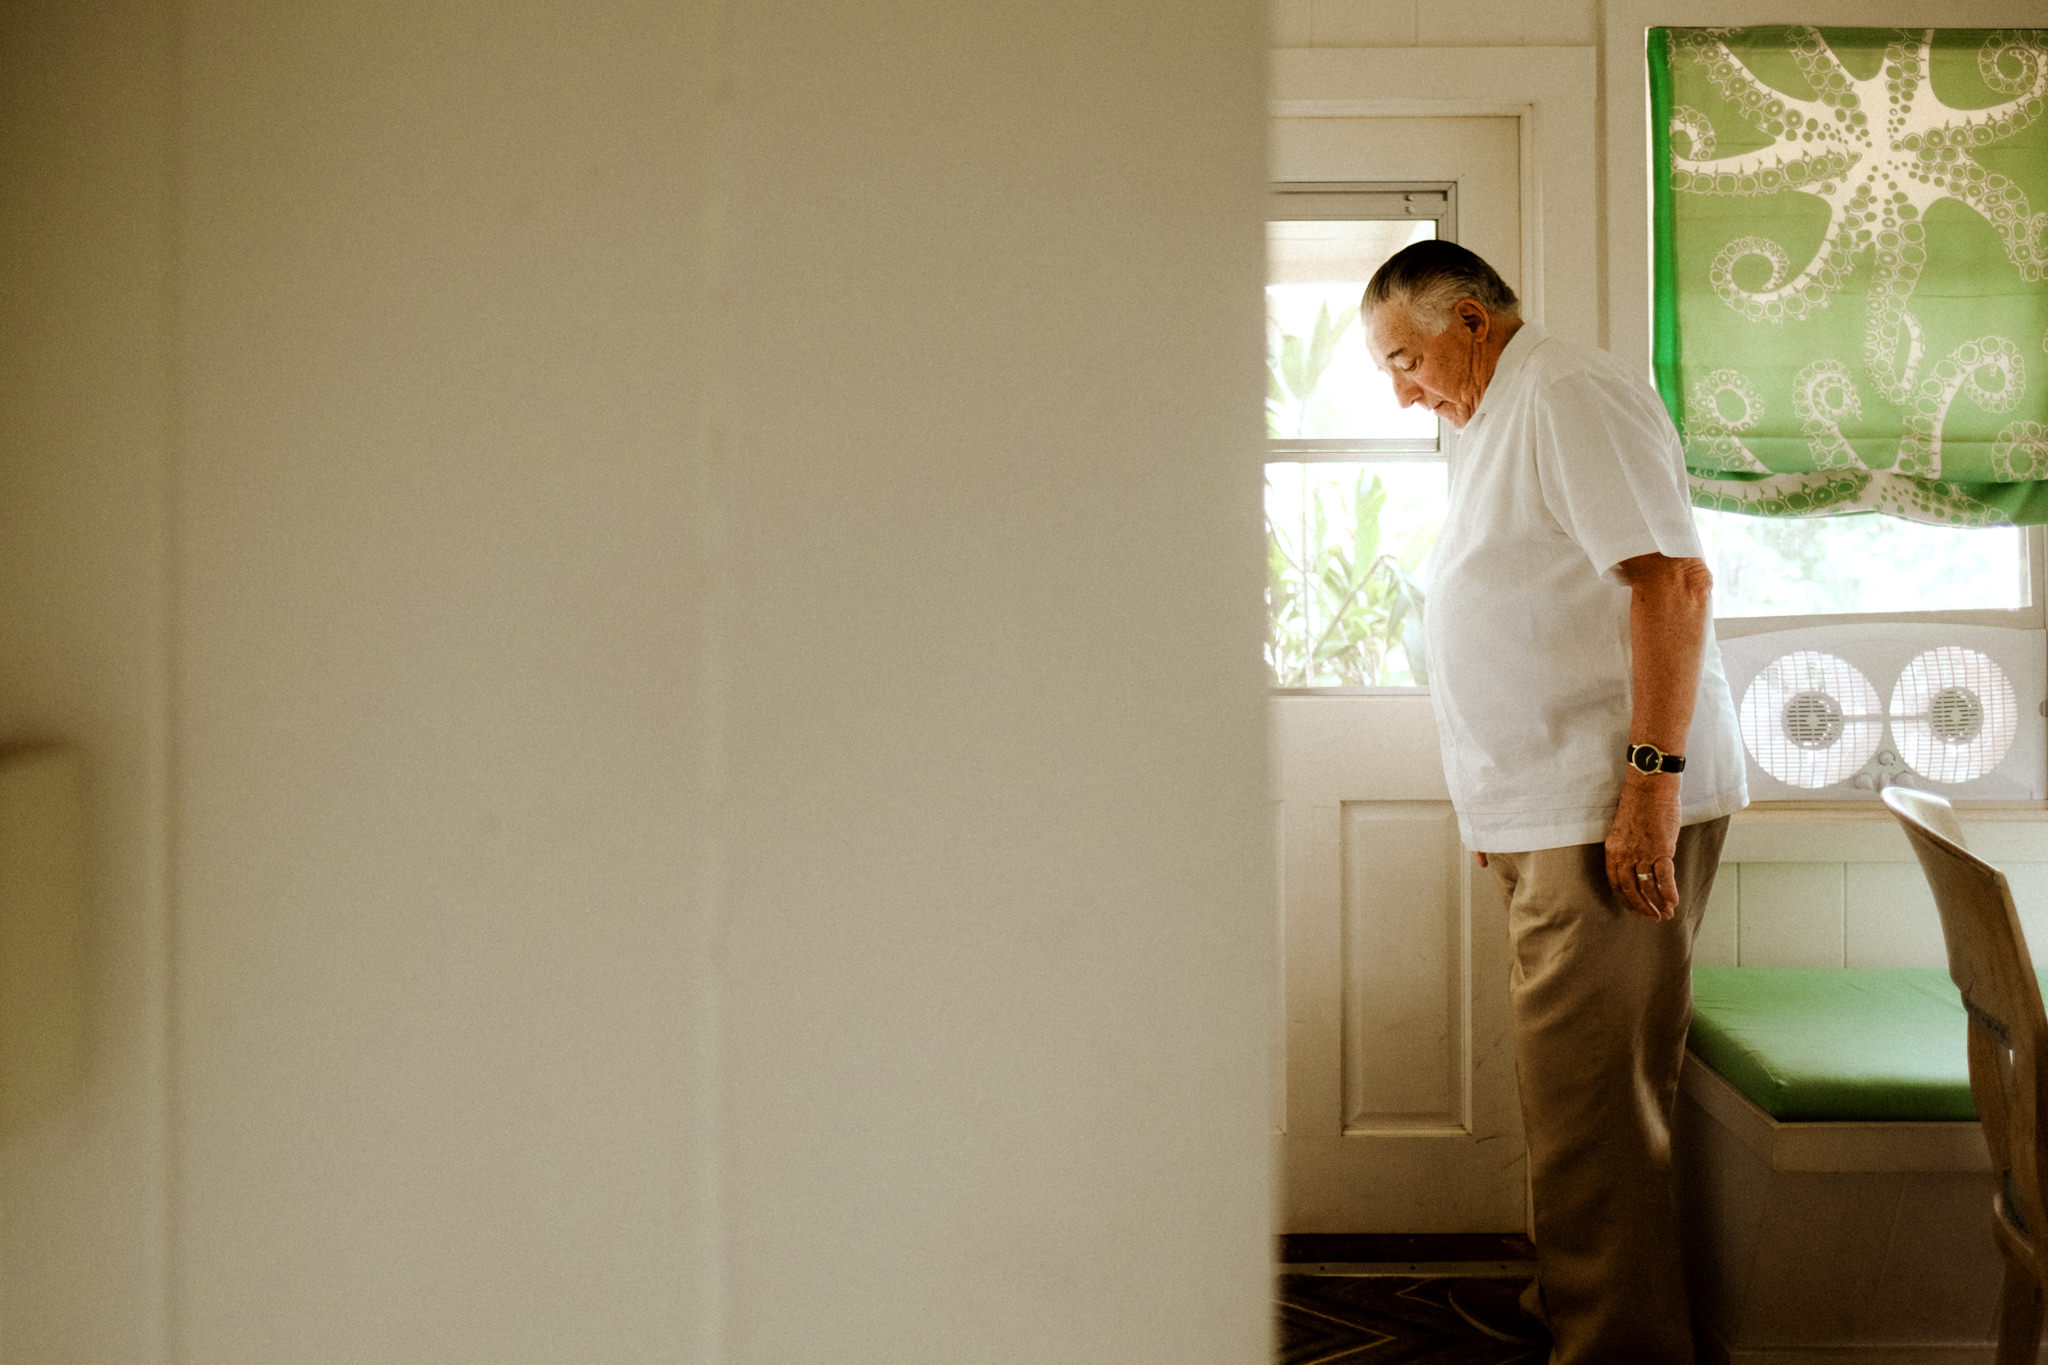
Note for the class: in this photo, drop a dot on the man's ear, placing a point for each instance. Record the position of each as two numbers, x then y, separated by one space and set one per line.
1473 315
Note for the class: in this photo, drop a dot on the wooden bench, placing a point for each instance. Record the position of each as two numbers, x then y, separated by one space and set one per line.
1834 1181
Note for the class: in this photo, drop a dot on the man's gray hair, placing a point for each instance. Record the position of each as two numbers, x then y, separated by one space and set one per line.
1428 278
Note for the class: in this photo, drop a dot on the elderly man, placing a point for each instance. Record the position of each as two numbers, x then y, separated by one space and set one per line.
1591 749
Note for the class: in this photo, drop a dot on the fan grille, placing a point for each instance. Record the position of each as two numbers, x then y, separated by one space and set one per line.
1813 720
1955 714
1810 719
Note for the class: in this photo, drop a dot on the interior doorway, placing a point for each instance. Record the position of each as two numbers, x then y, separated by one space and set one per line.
1395 1104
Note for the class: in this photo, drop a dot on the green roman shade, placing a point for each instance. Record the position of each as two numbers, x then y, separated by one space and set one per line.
1851 268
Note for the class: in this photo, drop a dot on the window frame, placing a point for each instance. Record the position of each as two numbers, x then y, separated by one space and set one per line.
1351 201
1301 201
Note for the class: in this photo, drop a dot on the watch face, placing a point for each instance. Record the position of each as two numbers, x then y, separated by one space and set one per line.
1644 758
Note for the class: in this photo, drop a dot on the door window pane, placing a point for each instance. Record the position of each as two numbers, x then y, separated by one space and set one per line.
1768 566
1344 551
1320 383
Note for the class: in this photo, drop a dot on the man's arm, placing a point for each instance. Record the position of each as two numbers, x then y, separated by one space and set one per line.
1670 603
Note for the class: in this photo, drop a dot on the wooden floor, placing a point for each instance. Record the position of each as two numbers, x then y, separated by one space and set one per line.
1344 1300
1394 1249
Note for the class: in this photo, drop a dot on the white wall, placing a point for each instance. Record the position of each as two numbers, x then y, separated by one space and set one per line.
1835 887
663 602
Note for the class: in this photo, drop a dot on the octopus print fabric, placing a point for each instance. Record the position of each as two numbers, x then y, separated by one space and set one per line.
1851 248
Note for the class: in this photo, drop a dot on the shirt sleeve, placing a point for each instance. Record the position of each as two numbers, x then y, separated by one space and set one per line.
1612 470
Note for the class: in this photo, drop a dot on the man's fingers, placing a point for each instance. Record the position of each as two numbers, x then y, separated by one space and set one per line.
1646 889
1621 876
1640 898
1617 876
1667 886
1653 889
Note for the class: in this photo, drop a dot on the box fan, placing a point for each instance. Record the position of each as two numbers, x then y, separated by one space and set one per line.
1829 712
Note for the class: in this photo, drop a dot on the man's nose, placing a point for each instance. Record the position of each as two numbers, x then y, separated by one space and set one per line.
1405 393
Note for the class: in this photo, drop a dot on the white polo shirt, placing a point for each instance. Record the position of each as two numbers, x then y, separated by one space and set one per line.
1569 466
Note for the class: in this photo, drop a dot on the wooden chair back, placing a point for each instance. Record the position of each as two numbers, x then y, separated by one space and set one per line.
1989 962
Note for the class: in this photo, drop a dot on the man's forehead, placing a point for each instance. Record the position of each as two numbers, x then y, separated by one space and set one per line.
1387 319
1387 333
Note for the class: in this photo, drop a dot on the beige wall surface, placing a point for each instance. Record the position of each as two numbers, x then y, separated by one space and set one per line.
662 605
85 388
1432 23
442 587
999 902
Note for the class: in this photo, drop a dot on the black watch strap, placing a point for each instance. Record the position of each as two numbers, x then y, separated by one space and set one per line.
1648 758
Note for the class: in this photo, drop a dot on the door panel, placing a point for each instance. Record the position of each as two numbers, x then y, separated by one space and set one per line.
1398 1112
1403 966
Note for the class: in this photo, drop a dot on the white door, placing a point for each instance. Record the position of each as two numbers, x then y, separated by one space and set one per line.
1397 1109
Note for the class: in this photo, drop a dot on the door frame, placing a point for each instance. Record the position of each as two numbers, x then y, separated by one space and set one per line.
1551 91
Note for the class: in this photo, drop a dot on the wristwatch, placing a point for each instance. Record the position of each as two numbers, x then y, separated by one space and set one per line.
1648 758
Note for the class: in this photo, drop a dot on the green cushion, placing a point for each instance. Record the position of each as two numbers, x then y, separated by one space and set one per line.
1833 1043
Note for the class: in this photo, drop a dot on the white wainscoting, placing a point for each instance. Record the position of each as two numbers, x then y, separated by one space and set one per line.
1838 887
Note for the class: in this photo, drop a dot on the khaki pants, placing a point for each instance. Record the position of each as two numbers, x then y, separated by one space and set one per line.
1601 1004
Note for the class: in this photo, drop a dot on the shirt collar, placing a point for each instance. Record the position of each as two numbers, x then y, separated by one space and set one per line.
1513 357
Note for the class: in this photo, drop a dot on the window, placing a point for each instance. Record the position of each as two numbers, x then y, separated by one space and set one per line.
1866 564
1814 364
1355 486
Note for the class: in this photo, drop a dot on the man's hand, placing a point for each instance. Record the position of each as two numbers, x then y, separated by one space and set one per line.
1641 843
